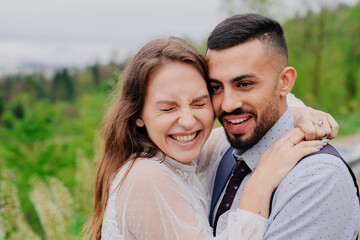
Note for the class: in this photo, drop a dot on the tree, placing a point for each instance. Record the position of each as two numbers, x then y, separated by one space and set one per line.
63 86
2 106
18 110
352 59
95 69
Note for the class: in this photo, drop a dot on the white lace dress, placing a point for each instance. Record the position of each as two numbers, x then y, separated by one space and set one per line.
165 200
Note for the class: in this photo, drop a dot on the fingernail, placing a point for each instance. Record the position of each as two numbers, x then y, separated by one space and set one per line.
319 147
325 140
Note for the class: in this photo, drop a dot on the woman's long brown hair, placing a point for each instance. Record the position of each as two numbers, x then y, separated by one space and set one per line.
124 141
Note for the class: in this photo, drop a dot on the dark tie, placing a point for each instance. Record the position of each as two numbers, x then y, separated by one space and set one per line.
239 171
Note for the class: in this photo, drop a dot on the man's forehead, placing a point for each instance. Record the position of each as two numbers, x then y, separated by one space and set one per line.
242 48
240 54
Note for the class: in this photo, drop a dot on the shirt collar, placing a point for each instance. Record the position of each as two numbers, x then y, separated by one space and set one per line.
252 155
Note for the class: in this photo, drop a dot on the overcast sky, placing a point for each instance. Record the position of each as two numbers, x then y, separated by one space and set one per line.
80 32
84 31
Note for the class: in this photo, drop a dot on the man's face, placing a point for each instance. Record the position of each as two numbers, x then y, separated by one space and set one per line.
245 91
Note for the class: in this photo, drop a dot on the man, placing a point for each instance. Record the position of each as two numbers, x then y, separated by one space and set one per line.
250 79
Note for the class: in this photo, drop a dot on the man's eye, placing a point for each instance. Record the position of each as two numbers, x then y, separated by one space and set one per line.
244 84
216 88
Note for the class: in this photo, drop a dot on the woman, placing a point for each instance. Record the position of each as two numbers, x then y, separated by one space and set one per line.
146 186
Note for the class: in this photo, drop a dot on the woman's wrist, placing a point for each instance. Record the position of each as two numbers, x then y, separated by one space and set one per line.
256 202
258 189
256 198
261 181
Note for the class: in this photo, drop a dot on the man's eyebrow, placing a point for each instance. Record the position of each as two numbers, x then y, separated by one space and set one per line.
236 79
241 77
214 81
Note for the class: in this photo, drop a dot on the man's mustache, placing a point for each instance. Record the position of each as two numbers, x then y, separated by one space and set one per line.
238 111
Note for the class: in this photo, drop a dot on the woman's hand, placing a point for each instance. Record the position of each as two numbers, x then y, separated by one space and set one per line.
277 161
273 166
309 120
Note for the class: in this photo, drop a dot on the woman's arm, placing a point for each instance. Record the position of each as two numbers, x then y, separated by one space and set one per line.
273 166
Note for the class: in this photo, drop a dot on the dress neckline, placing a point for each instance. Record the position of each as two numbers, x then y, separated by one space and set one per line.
184 171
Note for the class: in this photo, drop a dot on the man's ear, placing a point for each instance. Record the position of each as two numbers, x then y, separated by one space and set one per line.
287 80
140 122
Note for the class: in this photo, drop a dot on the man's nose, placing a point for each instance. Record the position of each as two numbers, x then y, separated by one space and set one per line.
231 101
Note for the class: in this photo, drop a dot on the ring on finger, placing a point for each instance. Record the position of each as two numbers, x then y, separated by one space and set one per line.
292 141
319 122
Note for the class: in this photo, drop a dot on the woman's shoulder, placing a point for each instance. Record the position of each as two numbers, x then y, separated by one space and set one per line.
148 171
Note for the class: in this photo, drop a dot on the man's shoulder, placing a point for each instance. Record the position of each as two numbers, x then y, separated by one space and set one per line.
323 183
327 159
318 170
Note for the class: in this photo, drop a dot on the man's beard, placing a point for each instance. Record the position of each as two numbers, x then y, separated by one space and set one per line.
268 119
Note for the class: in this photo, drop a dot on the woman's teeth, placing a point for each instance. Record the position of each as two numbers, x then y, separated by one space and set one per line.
184 138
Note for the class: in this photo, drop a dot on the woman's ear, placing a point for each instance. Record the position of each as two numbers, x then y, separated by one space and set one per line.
287 81
140 122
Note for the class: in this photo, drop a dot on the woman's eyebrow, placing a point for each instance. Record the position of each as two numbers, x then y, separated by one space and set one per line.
171 102
165 102
198 99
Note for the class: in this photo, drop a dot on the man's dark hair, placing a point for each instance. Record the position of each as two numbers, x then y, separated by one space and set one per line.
241 28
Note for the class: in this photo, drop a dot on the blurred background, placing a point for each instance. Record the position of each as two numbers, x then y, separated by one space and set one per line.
60 59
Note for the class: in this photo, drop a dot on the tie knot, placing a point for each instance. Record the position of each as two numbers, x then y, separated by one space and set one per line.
240 167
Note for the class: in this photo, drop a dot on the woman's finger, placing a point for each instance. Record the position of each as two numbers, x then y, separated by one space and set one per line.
305 148
326 128
294 136
334 127
308 127
319 129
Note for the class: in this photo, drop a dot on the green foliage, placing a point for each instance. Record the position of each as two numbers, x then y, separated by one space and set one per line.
48 140
2 106
63 86
53 204
323 48
12 220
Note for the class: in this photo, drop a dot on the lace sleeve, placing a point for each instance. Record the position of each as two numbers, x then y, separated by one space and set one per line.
241 224
292 101
151 204
210 149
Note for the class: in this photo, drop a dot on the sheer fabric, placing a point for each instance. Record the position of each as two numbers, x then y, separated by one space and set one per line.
166 200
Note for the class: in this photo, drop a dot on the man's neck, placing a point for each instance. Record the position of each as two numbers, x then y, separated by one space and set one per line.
284 124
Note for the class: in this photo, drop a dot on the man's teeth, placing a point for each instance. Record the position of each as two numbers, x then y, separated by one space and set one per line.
239 120
184 138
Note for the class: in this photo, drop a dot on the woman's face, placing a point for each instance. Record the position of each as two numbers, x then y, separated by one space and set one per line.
177 111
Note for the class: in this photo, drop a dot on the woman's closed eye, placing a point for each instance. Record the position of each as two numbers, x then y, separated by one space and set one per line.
170 109
200 105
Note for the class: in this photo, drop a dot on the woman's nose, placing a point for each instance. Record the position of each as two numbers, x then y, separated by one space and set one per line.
187 119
